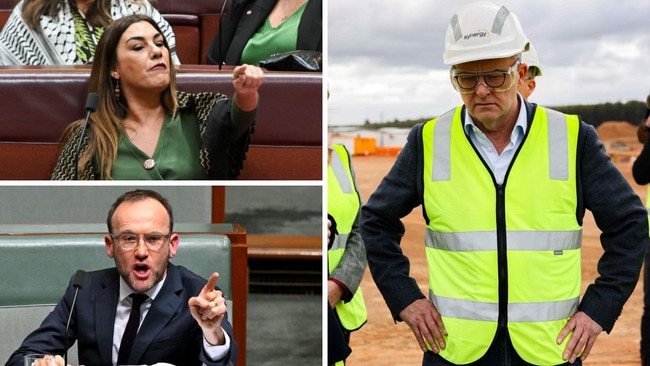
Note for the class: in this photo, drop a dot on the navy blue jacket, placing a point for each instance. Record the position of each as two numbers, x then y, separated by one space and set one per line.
168 334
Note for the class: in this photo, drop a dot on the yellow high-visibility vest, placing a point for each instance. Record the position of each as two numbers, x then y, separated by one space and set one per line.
523 235
343 202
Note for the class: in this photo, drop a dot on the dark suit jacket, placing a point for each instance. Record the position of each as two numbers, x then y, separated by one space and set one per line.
169 333
240 25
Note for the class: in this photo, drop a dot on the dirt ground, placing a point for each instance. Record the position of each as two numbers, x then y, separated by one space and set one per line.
382 342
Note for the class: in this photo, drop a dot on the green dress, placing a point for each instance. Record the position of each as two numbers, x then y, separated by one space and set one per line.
176 155
268 40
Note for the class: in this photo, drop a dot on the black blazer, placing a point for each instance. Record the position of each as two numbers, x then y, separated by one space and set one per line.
245 17
169 333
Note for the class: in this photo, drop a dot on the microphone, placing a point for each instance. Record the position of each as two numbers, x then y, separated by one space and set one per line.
221 57
91 106
77 283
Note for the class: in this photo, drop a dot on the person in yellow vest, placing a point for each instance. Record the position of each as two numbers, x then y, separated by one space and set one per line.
346 254
531 59
503 185
641 175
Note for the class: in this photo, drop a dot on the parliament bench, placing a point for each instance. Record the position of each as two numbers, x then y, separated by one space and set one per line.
39 102
41 259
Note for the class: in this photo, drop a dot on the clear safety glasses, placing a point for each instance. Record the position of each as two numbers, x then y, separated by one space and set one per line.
467 82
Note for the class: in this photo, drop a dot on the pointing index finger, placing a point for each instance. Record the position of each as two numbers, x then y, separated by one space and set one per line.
212 282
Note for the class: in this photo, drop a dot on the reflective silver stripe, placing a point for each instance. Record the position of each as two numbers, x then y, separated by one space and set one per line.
339 241
465 309
558 145
515 240
340 172
500 20
462 242
517 312
458 34
441 170
542 311
497 25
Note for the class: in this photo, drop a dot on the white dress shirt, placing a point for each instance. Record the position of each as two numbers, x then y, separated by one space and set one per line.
122 317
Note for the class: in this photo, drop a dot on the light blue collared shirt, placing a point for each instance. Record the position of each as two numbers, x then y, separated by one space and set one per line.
498 163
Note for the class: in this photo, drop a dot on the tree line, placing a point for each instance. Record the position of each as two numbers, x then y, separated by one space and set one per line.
633 112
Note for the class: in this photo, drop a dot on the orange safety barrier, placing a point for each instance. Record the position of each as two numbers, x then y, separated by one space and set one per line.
388 151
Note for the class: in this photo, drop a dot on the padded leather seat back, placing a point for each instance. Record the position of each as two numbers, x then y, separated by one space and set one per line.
195 24
41 265
290 110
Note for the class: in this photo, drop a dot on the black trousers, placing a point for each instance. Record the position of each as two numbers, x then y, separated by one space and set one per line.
337 340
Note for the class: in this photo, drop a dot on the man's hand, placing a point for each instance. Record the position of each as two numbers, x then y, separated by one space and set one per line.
49 360
334 293
585 331
329 232
426 323
209 309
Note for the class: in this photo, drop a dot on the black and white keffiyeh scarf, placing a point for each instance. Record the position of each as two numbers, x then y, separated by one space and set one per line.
55 43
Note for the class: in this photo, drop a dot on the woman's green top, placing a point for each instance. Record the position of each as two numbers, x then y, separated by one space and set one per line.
269 41
209 132
176 155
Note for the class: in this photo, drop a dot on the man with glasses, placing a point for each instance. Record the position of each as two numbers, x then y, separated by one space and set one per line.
145 310
504 185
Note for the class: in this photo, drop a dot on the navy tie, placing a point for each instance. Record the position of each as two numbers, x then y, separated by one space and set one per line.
131 329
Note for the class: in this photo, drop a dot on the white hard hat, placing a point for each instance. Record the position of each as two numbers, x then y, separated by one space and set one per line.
483 30
531 58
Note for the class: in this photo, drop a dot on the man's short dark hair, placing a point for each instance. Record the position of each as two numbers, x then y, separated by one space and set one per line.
139 195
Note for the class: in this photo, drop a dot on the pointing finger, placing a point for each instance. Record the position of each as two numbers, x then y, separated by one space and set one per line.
212 282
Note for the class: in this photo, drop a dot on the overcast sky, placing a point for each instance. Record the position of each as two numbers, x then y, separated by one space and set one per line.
385 56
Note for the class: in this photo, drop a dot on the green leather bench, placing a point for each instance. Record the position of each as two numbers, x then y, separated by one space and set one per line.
39 260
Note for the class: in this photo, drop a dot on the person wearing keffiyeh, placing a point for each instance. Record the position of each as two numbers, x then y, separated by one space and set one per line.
65 32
